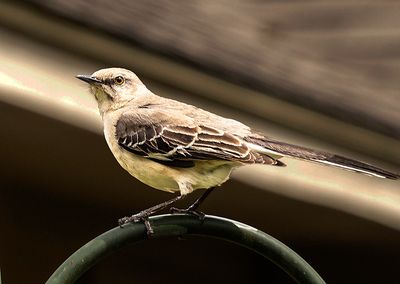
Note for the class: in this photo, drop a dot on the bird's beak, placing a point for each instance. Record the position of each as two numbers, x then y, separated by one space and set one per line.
89 79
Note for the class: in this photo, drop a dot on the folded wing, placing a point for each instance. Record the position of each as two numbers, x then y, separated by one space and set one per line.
168 143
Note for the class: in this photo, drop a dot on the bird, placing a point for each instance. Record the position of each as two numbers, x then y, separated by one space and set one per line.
176 147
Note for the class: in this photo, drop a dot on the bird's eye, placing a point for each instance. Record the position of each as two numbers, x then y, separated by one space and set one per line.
119 80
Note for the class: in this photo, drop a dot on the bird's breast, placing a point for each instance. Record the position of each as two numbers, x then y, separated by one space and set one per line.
204 174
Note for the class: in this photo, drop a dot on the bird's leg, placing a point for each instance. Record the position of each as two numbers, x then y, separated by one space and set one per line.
192 209
144 215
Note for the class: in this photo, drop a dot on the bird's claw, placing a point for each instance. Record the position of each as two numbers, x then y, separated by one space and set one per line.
139 217
190 211
131 219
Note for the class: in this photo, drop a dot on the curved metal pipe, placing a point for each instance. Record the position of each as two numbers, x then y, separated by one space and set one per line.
180 225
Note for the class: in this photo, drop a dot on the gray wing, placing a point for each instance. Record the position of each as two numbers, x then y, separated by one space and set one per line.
166 142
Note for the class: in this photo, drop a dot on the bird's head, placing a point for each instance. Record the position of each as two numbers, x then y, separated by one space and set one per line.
113 86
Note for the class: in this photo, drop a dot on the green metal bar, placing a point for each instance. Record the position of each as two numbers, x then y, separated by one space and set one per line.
180 225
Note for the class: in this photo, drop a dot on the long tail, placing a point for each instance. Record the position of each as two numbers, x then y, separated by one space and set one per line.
275 148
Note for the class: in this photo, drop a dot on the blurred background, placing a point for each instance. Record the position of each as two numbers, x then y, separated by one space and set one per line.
324 74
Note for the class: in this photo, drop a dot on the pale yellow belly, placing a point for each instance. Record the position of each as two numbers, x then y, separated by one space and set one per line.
204 174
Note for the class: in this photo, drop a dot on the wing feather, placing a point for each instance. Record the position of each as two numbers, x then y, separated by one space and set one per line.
176 142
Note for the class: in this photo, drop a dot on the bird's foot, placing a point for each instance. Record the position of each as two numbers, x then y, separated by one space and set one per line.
130 219
188 210
192 209
142 216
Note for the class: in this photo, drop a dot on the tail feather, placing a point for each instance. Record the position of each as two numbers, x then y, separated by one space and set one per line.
276 149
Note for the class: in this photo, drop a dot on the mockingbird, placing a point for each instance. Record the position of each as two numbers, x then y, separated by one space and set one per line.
176 147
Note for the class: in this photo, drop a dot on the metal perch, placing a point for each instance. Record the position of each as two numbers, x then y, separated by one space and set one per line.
180 225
